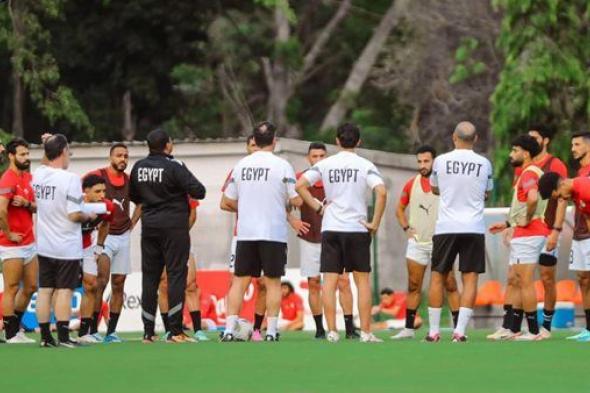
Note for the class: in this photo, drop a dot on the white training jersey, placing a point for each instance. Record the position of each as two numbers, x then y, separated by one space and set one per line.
262 183
463 177
58 193
347 177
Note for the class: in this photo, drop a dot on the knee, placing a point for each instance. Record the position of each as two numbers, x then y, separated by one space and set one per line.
11 288
191 287
117 285
344 285
31 288
451 285
584 281
90 284
314 285
413 285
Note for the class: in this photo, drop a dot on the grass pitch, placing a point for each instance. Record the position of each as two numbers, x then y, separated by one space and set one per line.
300 364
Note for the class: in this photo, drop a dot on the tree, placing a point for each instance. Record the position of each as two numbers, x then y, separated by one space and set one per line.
546 45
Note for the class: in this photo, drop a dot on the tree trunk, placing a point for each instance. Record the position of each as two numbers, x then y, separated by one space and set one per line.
232 94
18 104
362 67
129 130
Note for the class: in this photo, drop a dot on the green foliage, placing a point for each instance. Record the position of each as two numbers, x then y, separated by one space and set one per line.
465 64
545 78
283 5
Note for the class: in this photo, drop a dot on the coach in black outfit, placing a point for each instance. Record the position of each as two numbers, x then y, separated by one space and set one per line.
162 185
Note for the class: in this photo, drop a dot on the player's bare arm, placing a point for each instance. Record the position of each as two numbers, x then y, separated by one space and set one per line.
302 188
557 224
380 202
136 215
400 214
13 237
228 204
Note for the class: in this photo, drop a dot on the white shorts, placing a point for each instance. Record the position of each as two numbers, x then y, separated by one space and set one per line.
117 248
310 258
580 255
232 254
419 252
89 265
27 253
526 250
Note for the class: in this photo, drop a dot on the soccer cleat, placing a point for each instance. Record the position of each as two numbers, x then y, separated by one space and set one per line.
432 339
201 336
458 338
545 334
513 335
256 336
88 339
404 334
179 339
98 337
112 338
20 338
333 337
149 338
71 344
369 338
500 334
528 337
188 339
227 337
49 343
584 333
353 335
320 334
270 337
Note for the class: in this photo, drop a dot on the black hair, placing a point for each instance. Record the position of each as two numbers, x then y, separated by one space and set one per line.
13 144
250 138
264 134
317 146
544 130
289 285
54 146
548 183
426 149
116 145
581 134
527 143
157 140
92 180
349 135
386 291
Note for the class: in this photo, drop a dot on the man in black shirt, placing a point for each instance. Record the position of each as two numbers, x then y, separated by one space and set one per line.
161 184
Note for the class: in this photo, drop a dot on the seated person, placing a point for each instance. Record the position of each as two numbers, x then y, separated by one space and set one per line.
291 309
392 311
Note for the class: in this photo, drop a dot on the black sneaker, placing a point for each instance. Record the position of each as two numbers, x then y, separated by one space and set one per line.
320 334
69 344
354 335
226 338
49 343
270 337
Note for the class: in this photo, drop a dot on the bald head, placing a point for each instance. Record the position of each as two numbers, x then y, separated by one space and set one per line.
465 132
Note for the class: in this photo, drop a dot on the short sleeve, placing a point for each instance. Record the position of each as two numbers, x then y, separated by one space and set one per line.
490 184
193 203
110 209
231 187
374 178
289 180
74 195
434 174
313 174
559 167
7 186
407 190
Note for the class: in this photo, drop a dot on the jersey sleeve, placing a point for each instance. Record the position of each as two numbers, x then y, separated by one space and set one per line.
434 174
110 209
374 178
490 184
528 182
559 167
406 191
231 187
290 181
7 186
74 195
193 203
313 174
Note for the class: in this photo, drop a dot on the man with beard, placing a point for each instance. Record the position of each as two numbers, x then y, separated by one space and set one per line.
553 186
419 227
527 215
114 255
17 240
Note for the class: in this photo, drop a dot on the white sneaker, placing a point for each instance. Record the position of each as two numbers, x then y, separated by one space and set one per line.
545 334
20 338
500 334
528 337
370 338
88 339
404 334
333 337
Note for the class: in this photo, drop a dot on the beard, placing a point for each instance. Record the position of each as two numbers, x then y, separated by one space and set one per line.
23 166
425 172
582 156
119 167
516 163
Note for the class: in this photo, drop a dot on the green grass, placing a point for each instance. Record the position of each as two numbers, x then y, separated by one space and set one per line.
300 364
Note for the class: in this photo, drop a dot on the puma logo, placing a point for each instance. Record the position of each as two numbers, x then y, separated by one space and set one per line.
119 203
426 209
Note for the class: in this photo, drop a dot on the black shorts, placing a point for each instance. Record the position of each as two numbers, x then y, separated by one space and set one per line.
59 273
345 252
469 246
547 260
256 256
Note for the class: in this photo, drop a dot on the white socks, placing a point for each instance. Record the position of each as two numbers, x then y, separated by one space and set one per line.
271 326
434 320
230 324
464 317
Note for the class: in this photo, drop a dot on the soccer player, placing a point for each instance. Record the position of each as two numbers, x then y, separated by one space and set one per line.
346 234
463 180
527 215
114 261
59 238
192 293
291 308
394 307
260 187
310 250
94 187
17 241
578 190
160 183
422 203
